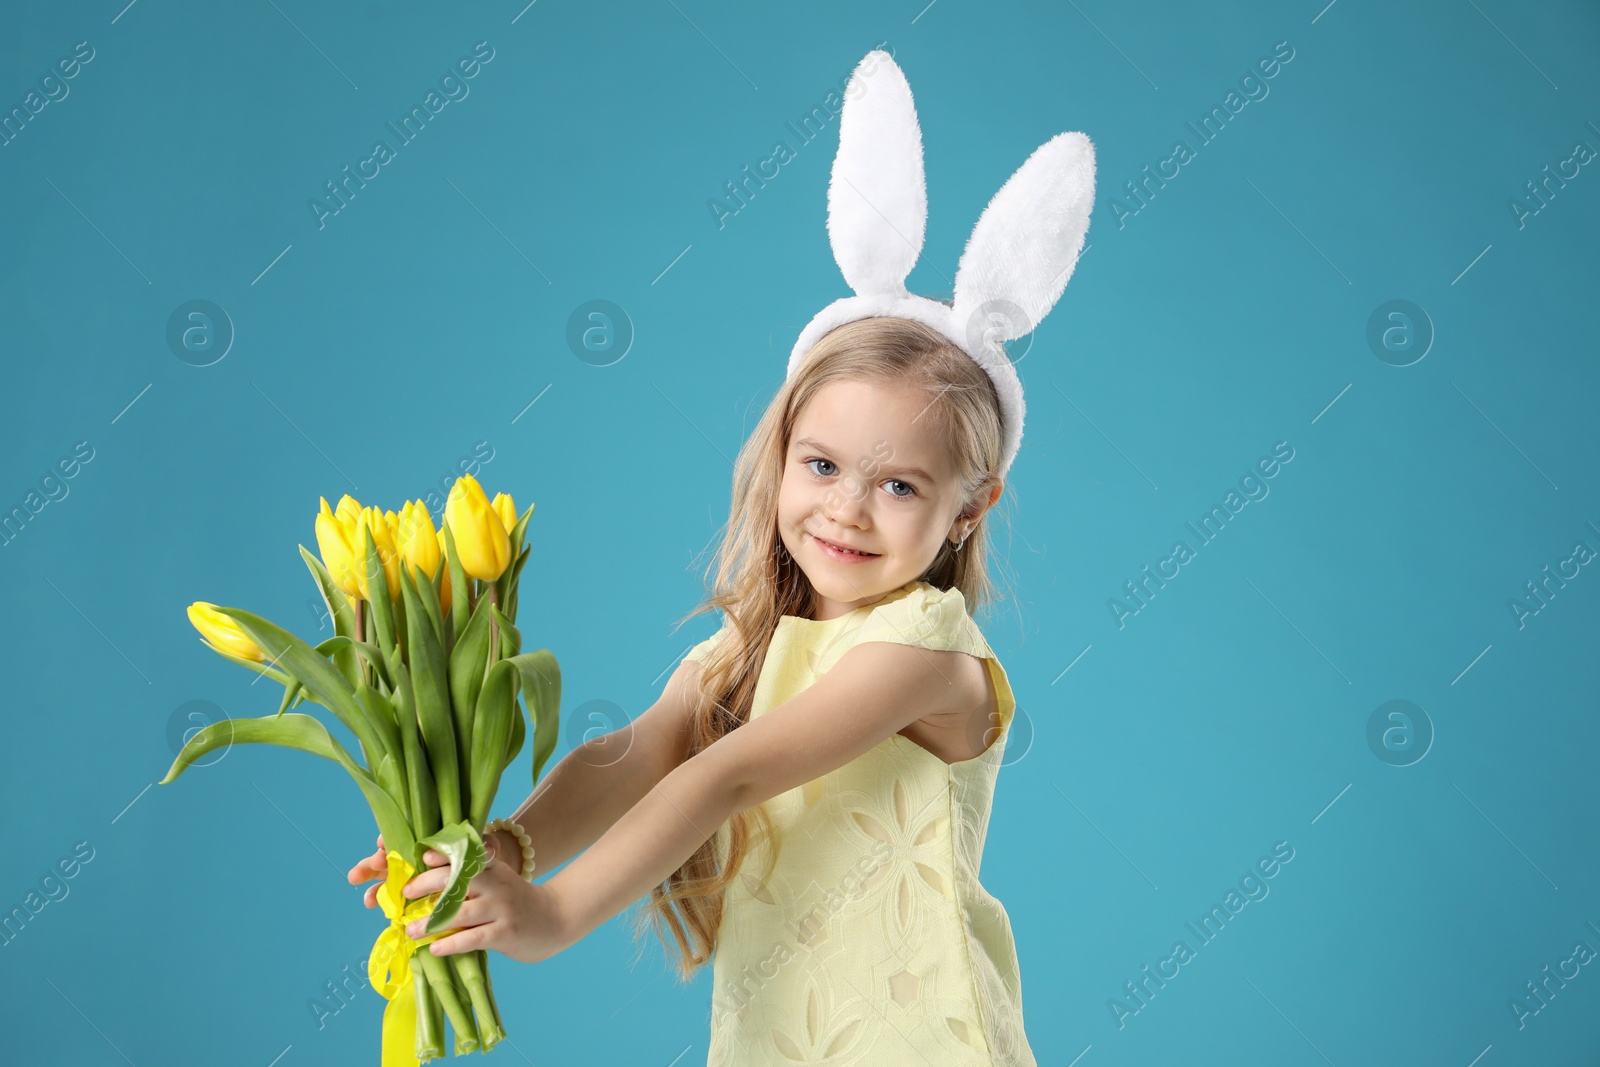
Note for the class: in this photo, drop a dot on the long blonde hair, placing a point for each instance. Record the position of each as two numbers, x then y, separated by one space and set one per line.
756 582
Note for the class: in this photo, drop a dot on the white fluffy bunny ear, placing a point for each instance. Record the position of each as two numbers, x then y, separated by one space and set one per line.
1027 240
877 198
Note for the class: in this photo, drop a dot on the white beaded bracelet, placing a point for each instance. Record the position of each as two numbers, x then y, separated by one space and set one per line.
516 831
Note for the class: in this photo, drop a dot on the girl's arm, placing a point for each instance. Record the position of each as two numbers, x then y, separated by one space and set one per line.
591 787
875 690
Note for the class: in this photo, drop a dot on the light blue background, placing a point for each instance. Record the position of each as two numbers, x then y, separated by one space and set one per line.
1230 313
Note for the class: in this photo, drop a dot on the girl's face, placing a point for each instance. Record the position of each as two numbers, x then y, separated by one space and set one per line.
864 470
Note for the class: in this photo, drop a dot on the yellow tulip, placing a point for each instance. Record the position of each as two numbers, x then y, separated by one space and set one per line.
418 540
480 535
383 540
334 541
507 511
349 510
222 633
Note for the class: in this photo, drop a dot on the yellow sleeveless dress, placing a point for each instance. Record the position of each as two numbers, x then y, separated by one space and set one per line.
871 942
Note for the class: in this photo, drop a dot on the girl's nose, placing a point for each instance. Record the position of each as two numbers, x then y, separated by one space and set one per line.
846 501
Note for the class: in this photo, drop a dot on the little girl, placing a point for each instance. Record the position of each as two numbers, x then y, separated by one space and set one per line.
806 804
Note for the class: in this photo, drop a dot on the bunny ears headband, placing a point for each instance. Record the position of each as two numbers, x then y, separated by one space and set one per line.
1016 263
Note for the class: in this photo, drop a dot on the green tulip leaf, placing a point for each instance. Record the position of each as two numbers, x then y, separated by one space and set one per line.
510 636
460 584
344 616
307 734
381 611
291 696
430 689
469 661
326 685
507 583
491 733
379 714
366 650
519 735
541 690
462 846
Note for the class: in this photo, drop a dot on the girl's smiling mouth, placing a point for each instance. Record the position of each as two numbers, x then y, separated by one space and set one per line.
841 553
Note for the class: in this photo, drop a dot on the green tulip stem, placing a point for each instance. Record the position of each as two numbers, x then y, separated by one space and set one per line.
441 980
469 966
361 635
430 1017
494 627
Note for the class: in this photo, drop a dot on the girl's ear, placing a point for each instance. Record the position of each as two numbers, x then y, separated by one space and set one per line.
1027 241
877 197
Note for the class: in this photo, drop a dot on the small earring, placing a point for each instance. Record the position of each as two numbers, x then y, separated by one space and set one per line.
962 543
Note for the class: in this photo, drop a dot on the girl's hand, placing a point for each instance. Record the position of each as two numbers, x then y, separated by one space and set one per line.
374 866
519 919
500 843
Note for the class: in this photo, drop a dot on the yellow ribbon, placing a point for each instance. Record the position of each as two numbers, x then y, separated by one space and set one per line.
389 962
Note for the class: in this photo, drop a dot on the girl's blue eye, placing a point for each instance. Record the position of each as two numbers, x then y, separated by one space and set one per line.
911 490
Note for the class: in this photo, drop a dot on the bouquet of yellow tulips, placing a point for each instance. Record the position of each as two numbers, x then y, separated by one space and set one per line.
424 669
